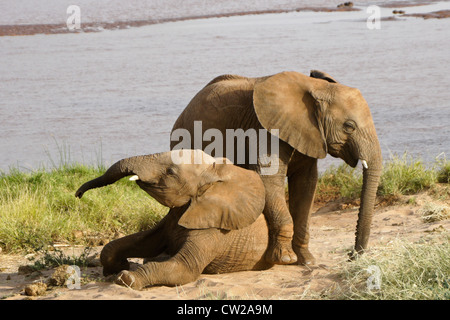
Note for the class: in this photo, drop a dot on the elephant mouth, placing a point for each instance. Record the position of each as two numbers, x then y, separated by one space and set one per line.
334 149
154 191
351 162
339 150
163 194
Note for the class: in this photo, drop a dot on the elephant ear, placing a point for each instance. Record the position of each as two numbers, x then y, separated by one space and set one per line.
322 75
292 103
232 199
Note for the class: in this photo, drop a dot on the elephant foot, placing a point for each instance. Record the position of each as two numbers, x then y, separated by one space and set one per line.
280 249
128 279
114 267
305 257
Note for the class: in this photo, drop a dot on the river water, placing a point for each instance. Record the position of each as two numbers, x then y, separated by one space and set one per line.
99 97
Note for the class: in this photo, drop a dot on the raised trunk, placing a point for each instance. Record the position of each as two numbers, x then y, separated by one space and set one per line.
116 172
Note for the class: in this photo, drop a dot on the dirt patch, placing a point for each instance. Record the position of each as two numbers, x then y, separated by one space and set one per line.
442 14
332 237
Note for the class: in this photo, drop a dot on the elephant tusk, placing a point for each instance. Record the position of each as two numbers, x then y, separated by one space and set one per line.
134 178
364 164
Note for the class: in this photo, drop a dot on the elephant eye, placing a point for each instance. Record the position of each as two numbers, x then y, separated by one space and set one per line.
349 126
170 171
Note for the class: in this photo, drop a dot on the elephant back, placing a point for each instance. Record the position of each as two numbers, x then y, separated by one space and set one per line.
224 103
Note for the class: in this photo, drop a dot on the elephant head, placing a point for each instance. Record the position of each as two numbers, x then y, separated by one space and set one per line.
219 194
317 115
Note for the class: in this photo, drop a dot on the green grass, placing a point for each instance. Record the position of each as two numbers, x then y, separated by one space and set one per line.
444 172
56 258
39 208
405 175
405 270
402 175
339 182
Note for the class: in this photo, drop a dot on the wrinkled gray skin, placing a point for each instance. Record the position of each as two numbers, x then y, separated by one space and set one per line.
214 225
315 115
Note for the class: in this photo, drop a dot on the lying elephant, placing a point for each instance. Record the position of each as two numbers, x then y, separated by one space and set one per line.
214 225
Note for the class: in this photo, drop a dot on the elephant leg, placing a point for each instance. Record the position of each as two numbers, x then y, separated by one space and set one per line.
279 222
144 244
171 272
302 182
184 267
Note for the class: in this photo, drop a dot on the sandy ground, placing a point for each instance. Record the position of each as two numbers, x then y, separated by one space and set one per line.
332 235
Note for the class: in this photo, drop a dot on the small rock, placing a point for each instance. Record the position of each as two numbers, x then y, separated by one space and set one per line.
345 4
35 289
59 276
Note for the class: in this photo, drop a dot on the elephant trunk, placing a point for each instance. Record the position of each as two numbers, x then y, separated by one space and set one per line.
117 171
371 177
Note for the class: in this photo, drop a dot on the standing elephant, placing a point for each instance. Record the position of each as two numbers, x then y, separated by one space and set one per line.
214 225
314 115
